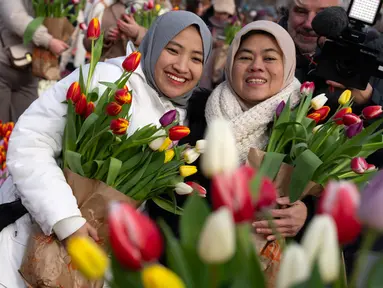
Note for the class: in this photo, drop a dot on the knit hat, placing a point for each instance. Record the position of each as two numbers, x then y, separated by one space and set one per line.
222 6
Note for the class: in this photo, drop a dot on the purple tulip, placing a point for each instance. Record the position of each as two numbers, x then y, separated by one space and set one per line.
354 129
132 9
370 209
168 118
146 8
280 108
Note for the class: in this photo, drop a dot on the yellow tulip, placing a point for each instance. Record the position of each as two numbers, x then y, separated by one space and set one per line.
158 7
165 145
169 155
344 97
187 170
87 257
157 276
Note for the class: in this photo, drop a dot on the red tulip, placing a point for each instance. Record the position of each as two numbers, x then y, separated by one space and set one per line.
6 127
201 191
150 5
83 26
267 194
323 112
122 96
119 126
74 92
94 30
135 239
81 105
233 191
359 165
89 109
178 132
113 109
338 117
314 116
307 88
371 112
370 167
132 61
341 201
5 144
350 119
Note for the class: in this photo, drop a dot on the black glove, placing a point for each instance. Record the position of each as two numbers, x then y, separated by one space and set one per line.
10 212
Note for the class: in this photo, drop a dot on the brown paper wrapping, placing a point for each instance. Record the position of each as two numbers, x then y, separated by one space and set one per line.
44 63
46 263
270 251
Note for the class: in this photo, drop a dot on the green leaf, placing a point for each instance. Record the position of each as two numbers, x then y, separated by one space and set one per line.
375 275
271 164
277 133
31 29
92 118
124 277
167 205
305 166
175 257
114 169
110 85
93 96
304 108
74 162
82 82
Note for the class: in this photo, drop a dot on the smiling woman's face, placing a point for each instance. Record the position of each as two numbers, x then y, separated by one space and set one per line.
180 65
257 72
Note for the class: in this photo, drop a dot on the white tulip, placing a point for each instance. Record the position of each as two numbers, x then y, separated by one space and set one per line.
217 240
200 146
316 128
183 188
191 155
318 101
294 267
221 155
157 143
320 243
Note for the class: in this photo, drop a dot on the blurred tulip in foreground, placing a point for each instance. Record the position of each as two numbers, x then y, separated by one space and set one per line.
158 276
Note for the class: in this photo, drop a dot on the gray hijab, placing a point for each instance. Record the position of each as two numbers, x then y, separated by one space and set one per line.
164 29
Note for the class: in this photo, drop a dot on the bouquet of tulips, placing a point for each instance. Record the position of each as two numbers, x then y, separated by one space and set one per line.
147 14
5 133
232 29
216 247
318 147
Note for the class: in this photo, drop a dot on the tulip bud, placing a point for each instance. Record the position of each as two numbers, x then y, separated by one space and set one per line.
132 9
75 2
359 165
157 276
89 109
187 170
168 118
119 126
350 119
221 154
183 189
344 97
74 92
200 146
233 191
317 128
83 26
323 112
371 112
94 30
341 201
88 258
158 7
370 167
201 191
321 246
157 143
280 108
314 116
307 88
338 117
190 156
150 4
267 194
113 109
217 239
132 61
354 129
165 145
176 133
81 105
319 101
145 7
169 155
294 268
134 237
122 96
5 128
176 8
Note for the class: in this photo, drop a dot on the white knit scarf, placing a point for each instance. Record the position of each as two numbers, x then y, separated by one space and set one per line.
249 127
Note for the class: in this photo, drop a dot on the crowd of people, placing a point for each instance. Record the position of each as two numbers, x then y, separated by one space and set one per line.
187 64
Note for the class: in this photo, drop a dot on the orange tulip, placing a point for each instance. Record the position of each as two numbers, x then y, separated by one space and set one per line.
6 127
94 30
122 96
74 92
119 126
89 109
132 61
323 112
5 144
113 109
178 132
315 116
81 105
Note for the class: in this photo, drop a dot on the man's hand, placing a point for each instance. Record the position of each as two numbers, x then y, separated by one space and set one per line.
57 46
360 96
86 230
112 34
289 220
129 27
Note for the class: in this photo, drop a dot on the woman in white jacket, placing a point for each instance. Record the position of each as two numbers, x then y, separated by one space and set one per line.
174 51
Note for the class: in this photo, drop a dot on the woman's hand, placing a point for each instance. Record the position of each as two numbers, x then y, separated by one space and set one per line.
57 46
129 27
86 230
289 220
112 34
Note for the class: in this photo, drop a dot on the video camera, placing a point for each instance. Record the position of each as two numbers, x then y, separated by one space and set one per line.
345 58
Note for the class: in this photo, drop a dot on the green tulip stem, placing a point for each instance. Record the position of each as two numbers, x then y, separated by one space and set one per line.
368 241
90 72
213 276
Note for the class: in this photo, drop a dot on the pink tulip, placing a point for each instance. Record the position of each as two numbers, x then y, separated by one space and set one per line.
359 165
307 88
201 190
